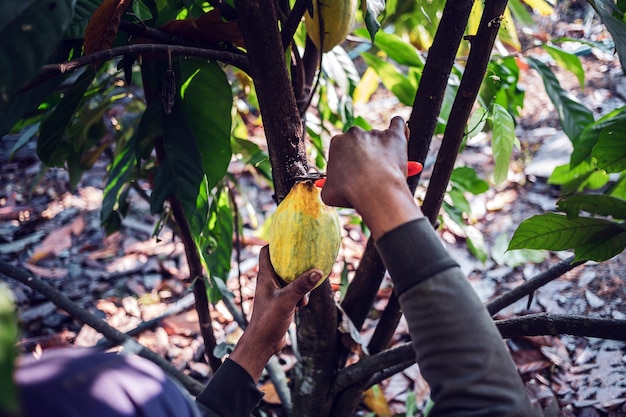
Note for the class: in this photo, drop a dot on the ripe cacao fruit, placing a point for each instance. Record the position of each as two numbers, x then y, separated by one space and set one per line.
304 233
331 22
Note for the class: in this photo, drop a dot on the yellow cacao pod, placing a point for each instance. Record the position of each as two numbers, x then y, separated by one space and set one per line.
331 23
304 233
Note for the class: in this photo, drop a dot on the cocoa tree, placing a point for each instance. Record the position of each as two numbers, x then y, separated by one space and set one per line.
182 145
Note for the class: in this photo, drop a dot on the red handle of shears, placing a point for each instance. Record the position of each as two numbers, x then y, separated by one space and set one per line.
412 168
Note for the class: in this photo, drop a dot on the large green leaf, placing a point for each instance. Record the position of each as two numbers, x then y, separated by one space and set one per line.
82 13
573 115
610 149
600 204
619 188
396 82
567 61
51 147
589 136
502 141
206 102
30 30
220 229
8 353
613 19
466 179
117 182
397 49
590 238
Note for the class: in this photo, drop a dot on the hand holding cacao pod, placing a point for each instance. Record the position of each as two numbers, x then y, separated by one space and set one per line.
305 233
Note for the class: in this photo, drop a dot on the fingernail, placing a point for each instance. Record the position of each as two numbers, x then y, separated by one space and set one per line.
315 277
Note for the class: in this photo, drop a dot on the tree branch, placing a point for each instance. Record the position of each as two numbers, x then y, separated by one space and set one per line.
556 324
119 338
530 325
477 61
432 87
292 23
531 285
50 70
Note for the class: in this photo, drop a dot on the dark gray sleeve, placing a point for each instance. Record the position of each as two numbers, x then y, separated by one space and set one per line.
230 393
458 348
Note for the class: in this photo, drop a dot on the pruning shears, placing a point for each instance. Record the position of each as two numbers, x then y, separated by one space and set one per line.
319 178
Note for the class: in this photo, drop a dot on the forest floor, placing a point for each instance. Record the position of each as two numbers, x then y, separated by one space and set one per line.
129 276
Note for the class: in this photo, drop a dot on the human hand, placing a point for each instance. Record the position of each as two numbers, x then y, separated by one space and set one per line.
367 171
272 314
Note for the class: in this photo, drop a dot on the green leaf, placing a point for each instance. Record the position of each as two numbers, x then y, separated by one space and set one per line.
521 15
600 204
119 176
619 189
590 238
82 13
220 228
589 136
206 102
477 121
610 149
466 179
253 155
584 175
514 258
574 116
30 31
614 24
502 141
51 148
150 127
476 243
397 49
373 10
8 354
396 82
567 61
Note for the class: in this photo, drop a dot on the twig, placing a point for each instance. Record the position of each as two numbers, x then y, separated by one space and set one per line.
290 26
530 325
555 324
482 46
531 285
50 70
64 303
184 304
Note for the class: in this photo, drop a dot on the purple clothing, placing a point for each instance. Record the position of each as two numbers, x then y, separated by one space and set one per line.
79 382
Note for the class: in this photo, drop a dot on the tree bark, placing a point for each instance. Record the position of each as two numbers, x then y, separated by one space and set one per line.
482 45
258 21
317 323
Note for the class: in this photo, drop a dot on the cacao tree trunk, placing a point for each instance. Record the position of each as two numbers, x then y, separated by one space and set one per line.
317 323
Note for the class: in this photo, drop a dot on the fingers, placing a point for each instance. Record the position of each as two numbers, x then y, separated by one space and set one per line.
267 277
398 126
302 285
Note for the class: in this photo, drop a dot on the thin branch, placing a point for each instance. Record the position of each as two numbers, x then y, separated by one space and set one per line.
291 25
530 325
50 70
196 271
556 324
482 45
76 311
531 285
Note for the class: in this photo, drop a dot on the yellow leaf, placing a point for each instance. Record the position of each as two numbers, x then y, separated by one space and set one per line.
376 401
540 6
367 86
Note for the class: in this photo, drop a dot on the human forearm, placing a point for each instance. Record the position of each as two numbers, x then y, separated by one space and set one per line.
458 348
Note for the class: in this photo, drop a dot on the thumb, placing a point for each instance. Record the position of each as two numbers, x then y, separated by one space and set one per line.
398 126
303 284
